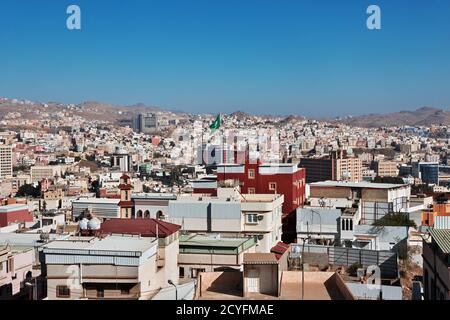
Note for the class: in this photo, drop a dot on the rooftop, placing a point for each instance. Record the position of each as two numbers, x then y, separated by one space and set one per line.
143 227
442 239
345 184
133 245
163 196
13 207
217 241
97 200
260 258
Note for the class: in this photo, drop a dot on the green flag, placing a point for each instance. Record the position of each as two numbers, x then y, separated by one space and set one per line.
216 124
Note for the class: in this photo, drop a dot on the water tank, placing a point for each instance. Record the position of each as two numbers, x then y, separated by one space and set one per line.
84 224
94 224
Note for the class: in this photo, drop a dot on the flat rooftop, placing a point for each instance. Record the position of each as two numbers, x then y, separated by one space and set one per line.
211 242
97 200
318 286
113 243
363 184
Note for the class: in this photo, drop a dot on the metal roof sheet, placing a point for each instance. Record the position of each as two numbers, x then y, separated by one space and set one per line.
442 239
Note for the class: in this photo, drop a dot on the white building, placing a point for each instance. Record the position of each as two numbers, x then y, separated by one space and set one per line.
231 214
115 267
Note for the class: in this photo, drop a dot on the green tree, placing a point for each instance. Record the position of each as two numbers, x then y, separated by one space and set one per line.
27 190
395 219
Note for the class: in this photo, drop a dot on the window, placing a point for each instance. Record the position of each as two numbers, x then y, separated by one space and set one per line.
272 186
251 173
251 190
62 292
252 218
100 293
181 272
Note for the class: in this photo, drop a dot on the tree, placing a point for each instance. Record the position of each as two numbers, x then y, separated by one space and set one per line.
395 219
28 190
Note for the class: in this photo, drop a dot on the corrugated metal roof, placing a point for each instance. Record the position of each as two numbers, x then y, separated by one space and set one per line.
442 239
442 222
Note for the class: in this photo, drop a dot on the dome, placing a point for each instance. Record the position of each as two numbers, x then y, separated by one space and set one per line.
84 224
94 224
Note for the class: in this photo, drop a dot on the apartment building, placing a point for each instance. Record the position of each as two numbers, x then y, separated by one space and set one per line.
5 161
271 178
338 166
113 267
436 265
231 214
375 200
385 168
39 173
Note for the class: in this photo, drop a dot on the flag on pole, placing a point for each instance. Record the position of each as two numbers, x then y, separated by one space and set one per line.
216 124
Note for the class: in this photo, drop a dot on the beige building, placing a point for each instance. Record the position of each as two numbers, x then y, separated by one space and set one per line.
5 161
39 173
113 267
385 168
347 168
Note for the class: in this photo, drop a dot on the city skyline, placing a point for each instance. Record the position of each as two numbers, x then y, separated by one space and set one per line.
274 58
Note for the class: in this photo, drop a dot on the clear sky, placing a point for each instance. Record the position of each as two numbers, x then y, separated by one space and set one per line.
314 58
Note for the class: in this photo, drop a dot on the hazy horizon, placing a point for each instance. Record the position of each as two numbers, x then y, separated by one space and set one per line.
314 59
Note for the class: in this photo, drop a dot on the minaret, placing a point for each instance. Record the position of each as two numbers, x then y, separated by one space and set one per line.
125 204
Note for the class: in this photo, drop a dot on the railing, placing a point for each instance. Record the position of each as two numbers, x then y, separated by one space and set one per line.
342 256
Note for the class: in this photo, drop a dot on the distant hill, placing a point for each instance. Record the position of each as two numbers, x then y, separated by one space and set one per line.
419 117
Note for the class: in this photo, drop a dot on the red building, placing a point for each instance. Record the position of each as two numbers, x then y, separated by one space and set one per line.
281 178
14 213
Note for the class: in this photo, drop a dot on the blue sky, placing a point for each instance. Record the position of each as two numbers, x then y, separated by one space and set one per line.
314 58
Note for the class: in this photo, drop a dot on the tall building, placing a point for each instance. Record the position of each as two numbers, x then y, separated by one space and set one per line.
5 161
428 172
338 166
347 168
146 123
318 169
385 168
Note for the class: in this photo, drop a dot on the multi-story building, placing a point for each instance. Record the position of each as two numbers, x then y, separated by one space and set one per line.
375 200
39 173
337 166
113 267
5 161
231 214
347 168
258 178
385 168
436 265
428 172
146 123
